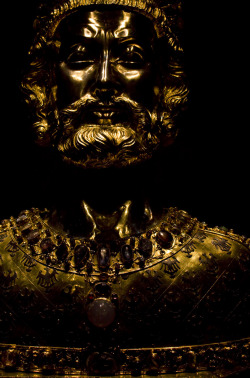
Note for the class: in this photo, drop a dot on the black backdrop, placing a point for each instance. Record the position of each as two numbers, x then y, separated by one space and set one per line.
212 155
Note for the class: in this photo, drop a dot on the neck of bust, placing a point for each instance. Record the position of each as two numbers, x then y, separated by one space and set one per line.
106 204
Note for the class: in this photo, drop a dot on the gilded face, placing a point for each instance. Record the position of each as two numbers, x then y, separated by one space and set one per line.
105 79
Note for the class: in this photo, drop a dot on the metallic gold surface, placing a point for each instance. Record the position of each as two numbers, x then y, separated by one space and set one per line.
103 282
111 99
220 357
179 272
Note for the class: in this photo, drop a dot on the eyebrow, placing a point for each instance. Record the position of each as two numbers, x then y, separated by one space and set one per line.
132 40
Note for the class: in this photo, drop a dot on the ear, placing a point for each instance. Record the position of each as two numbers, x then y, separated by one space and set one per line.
41 133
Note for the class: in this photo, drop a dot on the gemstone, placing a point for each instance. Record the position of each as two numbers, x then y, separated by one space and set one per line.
46 245
22 219
103 289
142 262
104 277
101 312
164 238
81 255
103 258
26 229
145 247
59 239
127 255
47 232
33 236
101 364
91 297
62 251
39 225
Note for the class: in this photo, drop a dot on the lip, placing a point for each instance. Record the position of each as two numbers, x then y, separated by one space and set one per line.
104 114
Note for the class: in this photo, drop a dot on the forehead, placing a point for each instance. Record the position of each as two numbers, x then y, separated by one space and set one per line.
89 23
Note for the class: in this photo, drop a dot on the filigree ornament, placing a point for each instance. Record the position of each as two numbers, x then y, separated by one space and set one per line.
90 258
72 290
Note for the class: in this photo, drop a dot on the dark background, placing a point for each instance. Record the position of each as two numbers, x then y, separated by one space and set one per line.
210 178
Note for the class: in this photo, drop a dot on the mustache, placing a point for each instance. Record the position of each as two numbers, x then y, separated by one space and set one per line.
72 115
128 137
95 139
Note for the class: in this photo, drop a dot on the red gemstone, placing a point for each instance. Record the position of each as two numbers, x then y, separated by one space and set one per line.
46 245
164 238
104 277
91 297
145 247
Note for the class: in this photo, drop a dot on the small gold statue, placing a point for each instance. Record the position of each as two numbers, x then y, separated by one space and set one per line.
107 281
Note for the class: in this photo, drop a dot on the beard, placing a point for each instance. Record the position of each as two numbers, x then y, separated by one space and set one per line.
128 136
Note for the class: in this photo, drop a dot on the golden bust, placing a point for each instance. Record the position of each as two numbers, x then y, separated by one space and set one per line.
108 280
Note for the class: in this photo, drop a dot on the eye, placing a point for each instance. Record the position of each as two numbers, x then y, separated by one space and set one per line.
132 57
78 58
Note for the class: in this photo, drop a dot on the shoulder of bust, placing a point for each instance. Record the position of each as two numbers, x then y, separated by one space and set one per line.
217 251
221 240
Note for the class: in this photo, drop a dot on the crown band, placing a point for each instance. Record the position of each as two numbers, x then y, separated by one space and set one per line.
162 16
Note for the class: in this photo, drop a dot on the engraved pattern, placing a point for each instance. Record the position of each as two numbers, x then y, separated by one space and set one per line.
7 279
182 300
189 248
171 266
222 244
209 261
28 262
200 235
47 279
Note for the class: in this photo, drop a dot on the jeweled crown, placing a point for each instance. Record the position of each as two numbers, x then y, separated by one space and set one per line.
166 15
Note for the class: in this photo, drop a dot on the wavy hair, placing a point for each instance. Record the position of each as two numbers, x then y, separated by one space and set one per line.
39 85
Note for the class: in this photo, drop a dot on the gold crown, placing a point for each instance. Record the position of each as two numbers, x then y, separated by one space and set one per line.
166 15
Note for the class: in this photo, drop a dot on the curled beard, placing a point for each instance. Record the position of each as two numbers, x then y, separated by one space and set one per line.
97 146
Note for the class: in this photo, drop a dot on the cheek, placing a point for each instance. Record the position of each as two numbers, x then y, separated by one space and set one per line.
73 84
138 84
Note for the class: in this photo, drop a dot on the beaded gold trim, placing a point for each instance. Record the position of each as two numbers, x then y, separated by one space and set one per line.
152 361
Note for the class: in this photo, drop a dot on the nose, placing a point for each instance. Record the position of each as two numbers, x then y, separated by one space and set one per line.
104 69
105 86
